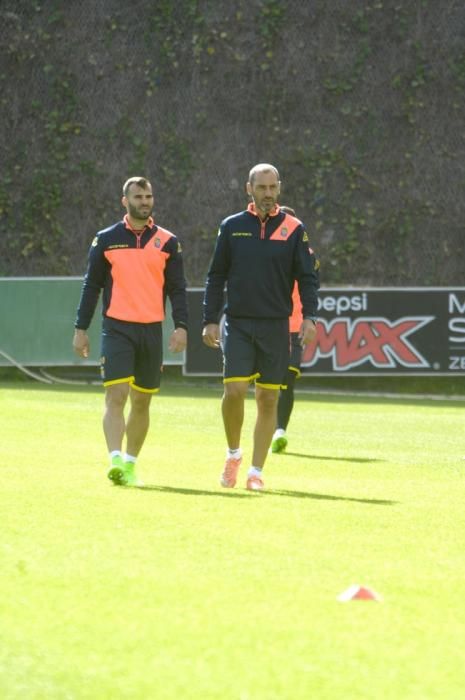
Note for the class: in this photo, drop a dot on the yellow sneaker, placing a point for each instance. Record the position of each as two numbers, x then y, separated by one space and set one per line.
130 475
279 442
116 473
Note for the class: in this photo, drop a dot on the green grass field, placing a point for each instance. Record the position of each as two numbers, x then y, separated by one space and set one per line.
184 590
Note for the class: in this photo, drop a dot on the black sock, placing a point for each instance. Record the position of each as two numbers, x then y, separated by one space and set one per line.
286 401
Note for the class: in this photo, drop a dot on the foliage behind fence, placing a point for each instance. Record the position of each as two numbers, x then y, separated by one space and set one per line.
359 103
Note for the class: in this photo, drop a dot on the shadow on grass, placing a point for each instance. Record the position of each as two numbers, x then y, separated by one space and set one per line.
359 460
195 492
329 497
277 492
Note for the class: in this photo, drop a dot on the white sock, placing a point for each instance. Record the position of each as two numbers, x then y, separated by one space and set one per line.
115 453
235 454
255 471
279 432
129 458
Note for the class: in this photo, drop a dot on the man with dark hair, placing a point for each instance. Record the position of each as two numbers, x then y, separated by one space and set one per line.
259 254
137 264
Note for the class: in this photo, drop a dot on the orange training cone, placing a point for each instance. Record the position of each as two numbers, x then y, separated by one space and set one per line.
357 592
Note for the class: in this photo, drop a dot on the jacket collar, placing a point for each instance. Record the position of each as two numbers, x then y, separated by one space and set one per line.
150 223
274 212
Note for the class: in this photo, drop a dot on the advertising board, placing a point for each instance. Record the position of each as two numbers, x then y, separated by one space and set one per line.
368 331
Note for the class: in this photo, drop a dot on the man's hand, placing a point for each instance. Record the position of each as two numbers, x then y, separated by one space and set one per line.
211 335
178 340
307 332
81 343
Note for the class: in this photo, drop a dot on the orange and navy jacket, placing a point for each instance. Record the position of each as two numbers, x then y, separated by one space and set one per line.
259 262
136 270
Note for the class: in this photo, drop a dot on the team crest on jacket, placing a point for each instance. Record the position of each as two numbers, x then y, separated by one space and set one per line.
157 243
284 232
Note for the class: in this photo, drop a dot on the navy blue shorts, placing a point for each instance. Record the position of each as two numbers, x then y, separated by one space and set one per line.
133 353
295 353
256 349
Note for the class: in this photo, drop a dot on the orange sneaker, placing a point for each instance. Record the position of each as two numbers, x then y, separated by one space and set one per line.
255 483
229 475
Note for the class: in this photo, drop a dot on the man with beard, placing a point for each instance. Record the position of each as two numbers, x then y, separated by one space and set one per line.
258 256
136 263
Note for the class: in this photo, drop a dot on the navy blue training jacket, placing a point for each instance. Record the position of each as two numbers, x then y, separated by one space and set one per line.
258 262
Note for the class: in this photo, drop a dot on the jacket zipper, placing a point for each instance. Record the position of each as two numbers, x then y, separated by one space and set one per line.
138 237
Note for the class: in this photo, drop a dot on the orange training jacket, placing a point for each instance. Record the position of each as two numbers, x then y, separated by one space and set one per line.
136 271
